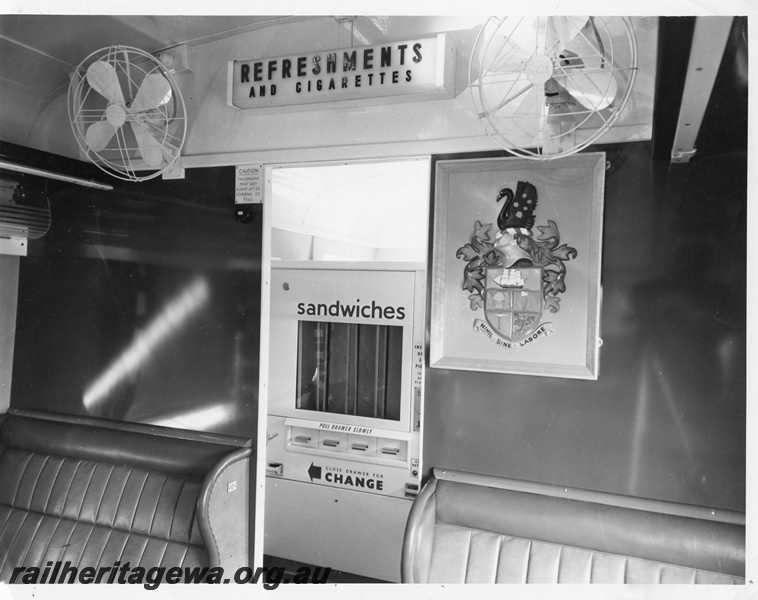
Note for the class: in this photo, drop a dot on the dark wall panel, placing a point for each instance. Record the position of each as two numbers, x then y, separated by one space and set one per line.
666 418
143 304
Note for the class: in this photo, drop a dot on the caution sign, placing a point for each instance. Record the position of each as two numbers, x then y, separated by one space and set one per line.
248 187
348 478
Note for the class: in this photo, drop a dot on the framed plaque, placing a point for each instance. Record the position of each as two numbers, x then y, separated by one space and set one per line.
516 265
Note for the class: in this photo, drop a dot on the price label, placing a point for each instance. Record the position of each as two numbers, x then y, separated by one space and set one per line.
418 364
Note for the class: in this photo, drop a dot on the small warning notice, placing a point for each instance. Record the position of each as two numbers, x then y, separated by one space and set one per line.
248 185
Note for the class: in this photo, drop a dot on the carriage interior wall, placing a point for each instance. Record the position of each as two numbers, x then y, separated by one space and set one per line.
148 304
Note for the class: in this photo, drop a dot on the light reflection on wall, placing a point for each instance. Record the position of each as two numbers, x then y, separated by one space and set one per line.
202 419
168 322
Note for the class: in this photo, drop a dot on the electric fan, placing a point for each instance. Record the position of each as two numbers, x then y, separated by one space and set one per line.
127 113
545 87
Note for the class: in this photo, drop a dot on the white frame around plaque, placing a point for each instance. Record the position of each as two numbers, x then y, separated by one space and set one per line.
564 343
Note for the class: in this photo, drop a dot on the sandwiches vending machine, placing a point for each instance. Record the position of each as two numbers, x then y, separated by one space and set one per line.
345 391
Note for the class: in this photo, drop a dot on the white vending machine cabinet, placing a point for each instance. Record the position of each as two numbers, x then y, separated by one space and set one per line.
345 388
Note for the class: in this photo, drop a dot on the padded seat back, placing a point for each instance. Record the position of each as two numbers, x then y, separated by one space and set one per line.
467 528
94 496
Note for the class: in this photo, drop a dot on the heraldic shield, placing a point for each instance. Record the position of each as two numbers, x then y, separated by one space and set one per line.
513 301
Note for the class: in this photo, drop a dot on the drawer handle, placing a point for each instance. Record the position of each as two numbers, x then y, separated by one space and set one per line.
274 469
302 439
393 451
361 447
332 443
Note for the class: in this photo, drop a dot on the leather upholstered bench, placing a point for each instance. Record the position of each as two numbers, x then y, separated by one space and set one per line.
467 528
95 494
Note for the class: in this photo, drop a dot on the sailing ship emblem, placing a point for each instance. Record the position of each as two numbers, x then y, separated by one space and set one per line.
513 301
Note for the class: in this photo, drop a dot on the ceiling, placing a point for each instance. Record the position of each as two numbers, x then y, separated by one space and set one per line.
37 53
69 39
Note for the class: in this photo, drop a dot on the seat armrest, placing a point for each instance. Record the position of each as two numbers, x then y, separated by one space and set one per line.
419 536
222 513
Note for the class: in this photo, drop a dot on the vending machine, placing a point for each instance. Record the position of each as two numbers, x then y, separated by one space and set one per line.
345 390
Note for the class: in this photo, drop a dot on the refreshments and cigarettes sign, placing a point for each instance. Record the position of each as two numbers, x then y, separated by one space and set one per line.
412 70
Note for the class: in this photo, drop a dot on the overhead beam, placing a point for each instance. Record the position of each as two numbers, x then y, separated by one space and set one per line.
674 44
708 43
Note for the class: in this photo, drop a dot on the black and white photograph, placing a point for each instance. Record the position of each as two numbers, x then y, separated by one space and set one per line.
304 302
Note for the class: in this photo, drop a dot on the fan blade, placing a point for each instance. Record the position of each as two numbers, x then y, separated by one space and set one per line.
524 122
498 55
99 134
595 90
561 31
503 93
526 33
590 78
154 91
588 48
103 79
149 147
503 80
546 35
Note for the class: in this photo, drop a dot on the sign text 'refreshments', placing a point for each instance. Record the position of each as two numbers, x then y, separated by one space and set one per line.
410 68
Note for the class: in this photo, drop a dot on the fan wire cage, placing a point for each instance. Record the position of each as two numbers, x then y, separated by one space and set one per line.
548 87
127 113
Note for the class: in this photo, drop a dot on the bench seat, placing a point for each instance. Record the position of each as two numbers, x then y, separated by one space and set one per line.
469 528
94 495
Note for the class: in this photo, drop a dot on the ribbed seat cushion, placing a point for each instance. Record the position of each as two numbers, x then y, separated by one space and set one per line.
464 555
471 528
93 514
